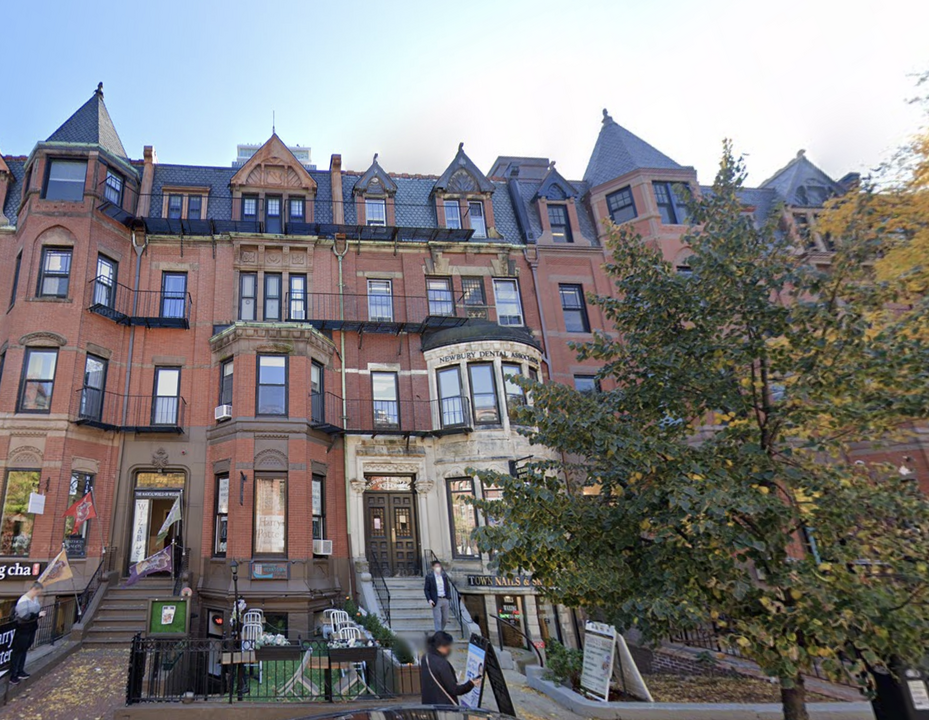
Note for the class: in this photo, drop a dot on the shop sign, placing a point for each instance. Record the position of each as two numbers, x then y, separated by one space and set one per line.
488 354
7 631
15 570
75 546
264 570
496 581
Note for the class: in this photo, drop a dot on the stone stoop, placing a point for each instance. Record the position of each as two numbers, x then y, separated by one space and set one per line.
411 615
122 611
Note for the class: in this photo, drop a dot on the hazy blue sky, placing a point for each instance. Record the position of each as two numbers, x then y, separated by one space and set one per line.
410 80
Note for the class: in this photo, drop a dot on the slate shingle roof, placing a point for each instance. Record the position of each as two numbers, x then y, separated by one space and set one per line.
802 184
617 152
14 190
91 124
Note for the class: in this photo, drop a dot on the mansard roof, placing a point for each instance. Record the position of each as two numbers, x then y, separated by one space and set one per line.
617 152
462 176
802 184
375 181
17 169
91 125
554 186
274 166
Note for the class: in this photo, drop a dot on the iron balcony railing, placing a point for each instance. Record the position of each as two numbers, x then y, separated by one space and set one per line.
392 417
144 413
166 308
373 312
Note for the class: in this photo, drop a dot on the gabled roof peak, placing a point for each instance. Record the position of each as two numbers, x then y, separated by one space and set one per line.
375 180
91 125
462 175
618 151
802 183
554 186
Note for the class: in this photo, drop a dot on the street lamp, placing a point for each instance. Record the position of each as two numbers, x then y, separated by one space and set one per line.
237 678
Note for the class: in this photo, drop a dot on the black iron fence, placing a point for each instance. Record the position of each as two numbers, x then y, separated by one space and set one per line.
143 413
416 417
168 307
164 670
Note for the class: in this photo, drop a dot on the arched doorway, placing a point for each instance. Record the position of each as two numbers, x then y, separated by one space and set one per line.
154 496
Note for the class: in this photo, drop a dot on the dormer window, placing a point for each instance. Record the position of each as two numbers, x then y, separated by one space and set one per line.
250 207
113 190
621 206
194 207
476 215
175 207
376 212
297 210
452 215
66 180
561 227
670 200
273 221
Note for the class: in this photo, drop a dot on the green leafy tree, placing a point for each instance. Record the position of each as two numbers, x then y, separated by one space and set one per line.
716 483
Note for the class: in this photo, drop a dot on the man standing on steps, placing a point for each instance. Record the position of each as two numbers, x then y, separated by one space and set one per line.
438 590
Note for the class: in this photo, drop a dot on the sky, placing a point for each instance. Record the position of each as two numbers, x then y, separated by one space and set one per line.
410 80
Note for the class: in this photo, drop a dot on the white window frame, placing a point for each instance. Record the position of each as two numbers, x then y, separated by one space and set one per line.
521 318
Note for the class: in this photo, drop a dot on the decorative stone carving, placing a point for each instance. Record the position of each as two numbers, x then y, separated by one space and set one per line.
26 456
160 459
249 256
298 258
461 181
274 257
43 338
392 468
271 459
424 486
358 486
87 465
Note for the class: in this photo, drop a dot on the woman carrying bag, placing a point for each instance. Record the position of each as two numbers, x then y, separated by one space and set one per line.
439 682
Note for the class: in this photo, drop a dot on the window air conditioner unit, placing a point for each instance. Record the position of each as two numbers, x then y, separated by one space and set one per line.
322 547
223 412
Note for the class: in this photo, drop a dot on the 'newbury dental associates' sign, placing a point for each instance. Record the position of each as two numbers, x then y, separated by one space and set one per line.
496 581
21 570
481 354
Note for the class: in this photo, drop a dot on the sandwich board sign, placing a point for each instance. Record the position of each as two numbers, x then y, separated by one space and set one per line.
605 655
485 660
477 657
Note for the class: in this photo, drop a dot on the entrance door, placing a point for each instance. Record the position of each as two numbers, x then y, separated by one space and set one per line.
391 537
155 495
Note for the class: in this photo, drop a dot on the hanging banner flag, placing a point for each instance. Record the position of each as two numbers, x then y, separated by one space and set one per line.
161 561
82 511
57 570
173 517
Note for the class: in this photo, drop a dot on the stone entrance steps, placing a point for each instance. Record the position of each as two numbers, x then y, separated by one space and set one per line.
411 615
122 611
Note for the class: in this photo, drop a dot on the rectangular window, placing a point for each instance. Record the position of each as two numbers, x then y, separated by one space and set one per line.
167 396
249 207
439 293
451 402
113 188
270 515
221 521
472 290
384 393
273 221
515 396
174 294
376 212
509 306
38 380
561 227
105 282
225 382
66 180
452 214
297 210
317 402
380 301
297 297
272 385
175 207
55 272
273 285
248 282
15 523
670 200
463 517
16 267
319 507
476 214
484 394
574 308
76 542
92 392
194 207
621 205
586 383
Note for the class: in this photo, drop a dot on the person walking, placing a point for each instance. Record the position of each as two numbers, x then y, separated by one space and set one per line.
438 590
26 615
439 682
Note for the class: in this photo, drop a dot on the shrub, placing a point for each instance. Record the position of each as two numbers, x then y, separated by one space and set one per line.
564 664
380 632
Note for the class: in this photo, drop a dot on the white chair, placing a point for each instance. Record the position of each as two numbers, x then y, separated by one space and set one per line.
348 632
252 629
340 619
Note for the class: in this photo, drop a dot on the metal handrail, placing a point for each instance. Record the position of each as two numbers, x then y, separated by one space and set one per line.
85 598
520 632
456 604
383 592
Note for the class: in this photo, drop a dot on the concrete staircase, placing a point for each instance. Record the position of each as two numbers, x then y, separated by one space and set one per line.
411 615
122 611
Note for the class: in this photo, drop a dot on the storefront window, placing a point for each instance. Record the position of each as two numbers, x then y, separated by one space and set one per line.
16 522
463 517
81 484
220 531
270 515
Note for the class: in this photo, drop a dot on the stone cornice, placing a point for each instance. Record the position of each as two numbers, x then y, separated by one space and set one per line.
246 338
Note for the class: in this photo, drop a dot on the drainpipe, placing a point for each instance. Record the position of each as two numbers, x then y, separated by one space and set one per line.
533 266
339 255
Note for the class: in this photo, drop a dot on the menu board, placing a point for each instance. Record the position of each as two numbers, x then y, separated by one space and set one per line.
599 655
168 617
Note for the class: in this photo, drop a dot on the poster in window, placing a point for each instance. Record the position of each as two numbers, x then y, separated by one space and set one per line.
140 531
270 512
222 496
317 497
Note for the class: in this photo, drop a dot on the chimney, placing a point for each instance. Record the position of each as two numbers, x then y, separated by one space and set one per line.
5 179
335 177
150 159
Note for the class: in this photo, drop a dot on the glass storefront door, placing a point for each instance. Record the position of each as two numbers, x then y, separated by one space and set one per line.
155 495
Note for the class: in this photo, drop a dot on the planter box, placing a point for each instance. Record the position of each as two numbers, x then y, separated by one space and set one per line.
271 653
352 655
407 680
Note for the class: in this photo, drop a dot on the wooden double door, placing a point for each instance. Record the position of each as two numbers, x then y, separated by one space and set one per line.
391 533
